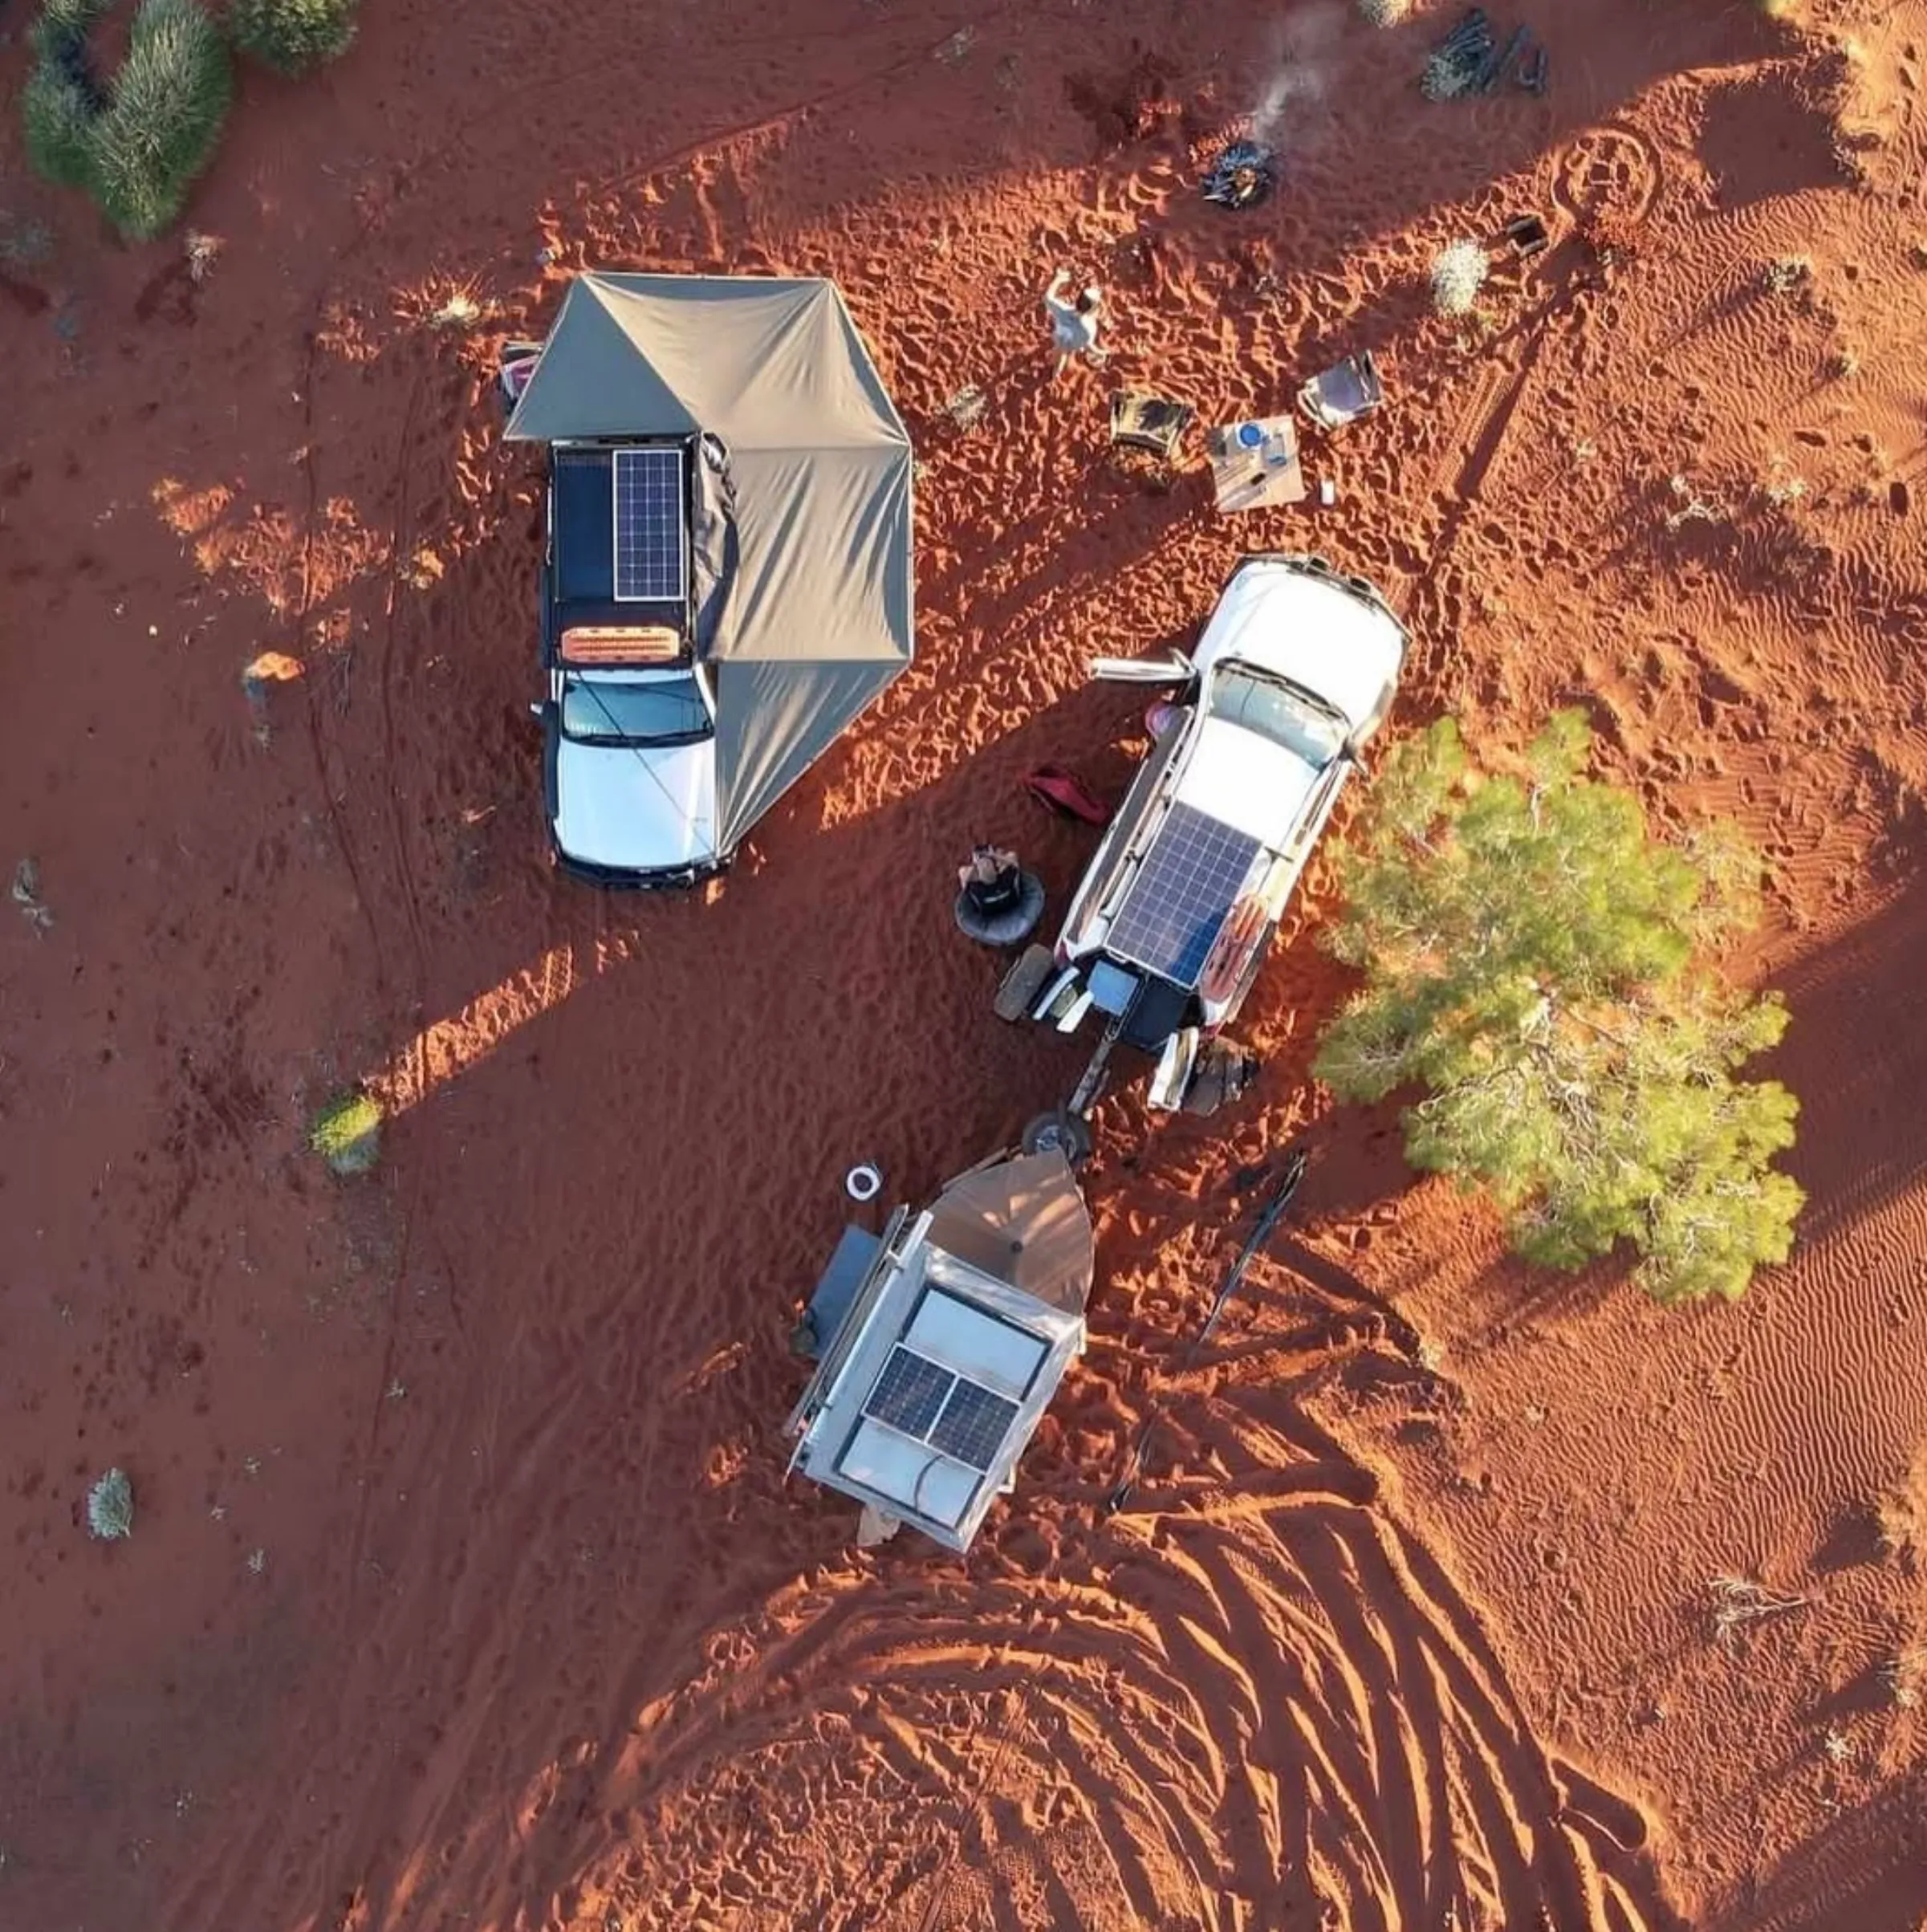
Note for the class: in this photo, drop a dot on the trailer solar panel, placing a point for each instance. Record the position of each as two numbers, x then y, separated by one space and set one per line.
910 1394
974 1424
648 526
1185 885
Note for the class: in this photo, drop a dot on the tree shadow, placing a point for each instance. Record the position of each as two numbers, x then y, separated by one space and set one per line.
1856 1059
1774 132
1862 1869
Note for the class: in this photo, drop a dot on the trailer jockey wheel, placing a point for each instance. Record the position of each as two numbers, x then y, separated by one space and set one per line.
1060 1132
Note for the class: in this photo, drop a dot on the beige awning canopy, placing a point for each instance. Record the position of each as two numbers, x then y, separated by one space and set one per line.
1021 1221
814 581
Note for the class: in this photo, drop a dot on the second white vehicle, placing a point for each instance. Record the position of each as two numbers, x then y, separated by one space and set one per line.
1296 671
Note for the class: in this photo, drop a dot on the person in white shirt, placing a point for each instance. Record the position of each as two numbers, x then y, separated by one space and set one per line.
1073 323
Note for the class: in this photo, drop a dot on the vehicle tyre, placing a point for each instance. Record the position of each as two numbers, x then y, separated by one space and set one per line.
1010 927
1060 1132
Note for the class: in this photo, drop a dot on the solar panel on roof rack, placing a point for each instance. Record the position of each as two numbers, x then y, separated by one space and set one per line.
910 1393
648 526
1183 891
973 1424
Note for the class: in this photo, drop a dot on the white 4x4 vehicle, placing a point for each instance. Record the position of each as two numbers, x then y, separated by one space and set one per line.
1296 671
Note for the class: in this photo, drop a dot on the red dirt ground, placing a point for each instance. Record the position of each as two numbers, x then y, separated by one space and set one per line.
465 1590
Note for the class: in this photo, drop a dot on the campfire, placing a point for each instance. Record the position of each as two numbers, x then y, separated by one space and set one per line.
1243 174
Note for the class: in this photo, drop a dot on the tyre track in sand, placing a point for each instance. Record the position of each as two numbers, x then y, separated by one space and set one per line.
1236 1709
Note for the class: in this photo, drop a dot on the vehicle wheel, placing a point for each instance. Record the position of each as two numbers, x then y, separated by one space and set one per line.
1060 1132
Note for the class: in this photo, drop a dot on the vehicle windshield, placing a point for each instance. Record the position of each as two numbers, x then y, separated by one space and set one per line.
1277 711
617 710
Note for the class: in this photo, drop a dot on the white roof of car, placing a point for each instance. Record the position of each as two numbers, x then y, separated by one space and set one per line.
1310 629
1245 781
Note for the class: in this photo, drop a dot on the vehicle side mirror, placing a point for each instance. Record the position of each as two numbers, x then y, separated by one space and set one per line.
1175 668
540 710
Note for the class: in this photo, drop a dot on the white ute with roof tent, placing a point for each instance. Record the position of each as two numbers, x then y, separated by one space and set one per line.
726 577
1296 671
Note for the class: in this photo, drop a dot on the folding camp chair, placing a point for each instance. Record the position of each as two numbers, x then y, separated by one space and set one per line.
514 364
1343 393
1153 424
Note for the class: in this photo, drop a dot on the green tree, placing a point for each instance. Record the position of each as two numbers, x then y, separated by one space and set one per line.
160 130
1540 965
293 35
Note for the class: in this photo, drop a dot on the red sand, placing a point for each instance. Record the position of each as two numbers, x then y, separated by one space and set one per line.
465 1591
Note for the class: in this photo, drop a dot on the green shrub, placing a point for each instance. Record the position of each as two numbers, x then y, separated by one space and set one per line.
58 121
1540 969
160 129
293 36
64 23
347 1134
110 1507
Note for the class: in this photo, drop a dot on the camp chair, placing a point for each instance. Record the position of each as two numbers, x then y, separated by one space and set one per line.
1343 393
514 364
1141 420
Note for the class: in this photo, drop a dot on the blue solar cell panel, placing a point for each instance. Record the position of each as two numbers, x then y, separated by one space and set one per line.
648 526
1184 888
910 1392
973 1424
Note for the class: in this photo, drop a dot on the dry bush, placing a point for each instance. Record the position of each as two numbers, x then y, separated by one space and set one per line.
1906 1675
1458 273
1899 1514
1739 1600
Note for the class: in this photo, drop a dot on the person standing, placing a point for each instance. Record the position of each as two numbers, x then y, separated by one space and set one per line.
1073 322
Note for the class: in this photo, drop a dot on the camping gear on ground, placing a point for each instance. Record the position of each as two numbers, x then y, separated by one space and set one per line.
939 1343
1067 795
1224 1071
1141 420
1343 393
1024 983
514 364
999 902
1456 60
1268 1216
1470 60
1497 66
1254 465
1527 234
863 1182
1242 177
875 1525
725 460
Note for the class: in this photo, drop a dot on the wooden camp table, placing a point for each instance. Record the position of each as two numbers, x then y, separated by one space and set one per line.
1258 475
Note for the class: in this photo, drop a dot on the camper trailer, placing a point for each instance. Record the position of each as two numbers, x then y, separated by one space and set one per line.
940 1342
